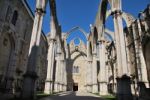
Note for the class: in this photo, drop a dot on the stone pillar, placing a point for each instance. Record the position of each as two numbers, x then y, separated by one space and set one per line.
102 74
89 68
141 64
57 74
89 76
51 52
61 74
120 45
94 75
110 75
122 82
29 86
49 79
65 76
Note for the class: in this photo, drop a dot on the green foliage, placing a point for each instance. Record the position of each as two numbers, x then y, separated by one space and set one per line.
109 97
41 95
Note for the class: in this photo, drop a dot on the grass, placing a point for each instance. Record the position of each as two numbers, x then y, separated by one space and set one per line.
42 95
107 97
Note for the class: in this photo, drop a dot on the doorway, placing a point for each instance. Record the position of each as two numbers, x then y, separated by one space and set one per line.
75 86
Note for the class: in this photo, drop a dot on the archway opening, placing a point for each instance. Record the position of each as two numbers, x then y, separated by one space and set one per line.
76 34
6 53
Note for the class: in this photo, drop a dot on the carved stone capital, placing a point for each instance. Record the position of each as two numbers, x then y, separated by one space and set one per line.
116 13
40 11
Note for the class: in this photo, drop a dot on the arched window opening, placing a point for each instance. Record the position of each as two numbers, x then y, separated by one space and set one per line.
75 69
14 18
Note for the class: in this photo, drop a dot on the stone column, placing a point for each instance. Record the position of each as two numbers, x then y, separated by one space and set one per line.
141 64
123 79
61 74
57 85
120 45
89 68
94 75
102 74
57 73
30 76
49 79
51 51
89 76
64 76
110 74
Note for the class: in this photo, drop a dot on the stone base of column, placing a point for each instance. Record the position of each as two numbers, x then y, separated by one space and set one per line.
95 88
64 88
103 88
124 88
56 87
48 87
29 85
144 91
112 88
115 88
89 88
60 87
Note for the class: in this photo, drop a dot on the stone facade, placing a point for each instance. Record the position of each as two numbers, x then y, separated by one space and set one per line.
77 59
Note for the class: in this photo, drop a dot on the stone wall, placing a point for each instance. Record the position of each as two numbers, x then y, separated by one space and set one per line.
16 22
77 59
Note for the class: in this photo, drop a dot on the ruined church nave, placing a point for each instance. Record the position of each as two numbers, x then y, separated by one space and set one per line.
106 63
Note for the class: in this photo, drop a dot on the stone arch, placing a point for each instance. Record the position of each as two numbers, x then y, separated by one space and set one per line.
6 53
110 34
103 10
76 57
74 29
101 18
104 14
129 19
81 52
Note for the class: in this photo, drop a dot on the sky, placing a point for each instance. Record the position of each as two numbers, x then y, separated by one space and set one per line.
82 13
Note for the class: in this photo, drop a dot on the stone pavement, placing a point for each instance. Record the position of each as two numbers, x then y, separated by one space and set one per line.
73 96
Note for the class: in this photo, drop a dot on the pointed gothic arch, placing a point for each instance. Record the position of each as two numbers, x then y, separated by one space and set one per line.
7 49
74 29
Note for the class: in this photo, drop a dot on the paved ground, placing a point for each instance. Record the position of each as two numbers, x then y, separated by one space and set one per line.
73 96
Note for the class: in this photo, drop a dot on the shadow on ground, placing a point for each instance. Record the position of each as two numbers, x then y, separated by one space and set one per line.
71 96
